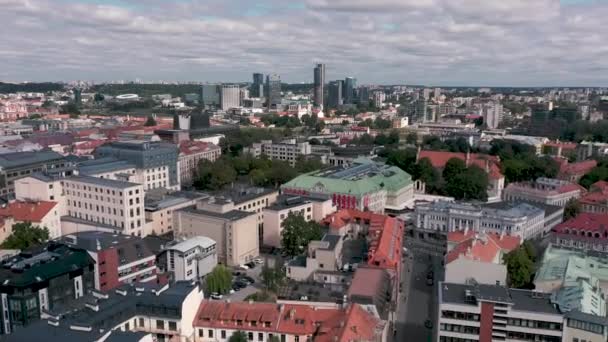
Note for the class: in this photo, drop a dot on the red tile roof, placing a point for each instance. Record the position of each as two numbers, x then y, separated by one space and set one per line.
192 147
578 168
483 247
28 211
301 320
439 158
385 235
583 224
366 281
599 186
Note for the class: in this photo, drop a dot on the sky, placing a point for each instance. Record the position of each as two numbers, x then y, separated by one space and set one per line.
425 42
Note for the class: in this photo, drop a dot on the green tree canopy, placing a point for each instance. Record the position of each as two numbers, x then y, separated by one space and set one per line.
297 233
219 280
597 174
150 121
272 277
214 175
25 235
238 336
572 209
520 267
453 167
471 184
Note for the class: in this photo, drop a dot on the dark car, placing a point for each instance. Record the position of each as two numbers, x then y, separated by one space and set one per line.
239 285
251 264
430 282
236 273
428 324
430 275
247 279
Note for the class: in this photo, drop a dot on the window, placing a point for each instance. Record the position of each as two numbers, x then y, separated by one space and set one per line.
210 333
250 336
141 322
200 333
297 339
282 337
160 324
260 336
172 326
223 334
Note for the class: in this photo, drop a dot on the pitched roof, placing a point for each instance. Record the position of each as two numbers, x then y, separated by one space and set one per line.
193 147
505 242
585 225
440 158
476 248
575 168
33 212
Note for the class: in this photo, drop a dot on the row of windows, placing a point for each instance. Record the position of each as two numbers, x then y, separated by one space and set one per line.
528 323
587 326
250 335
463 329
463 316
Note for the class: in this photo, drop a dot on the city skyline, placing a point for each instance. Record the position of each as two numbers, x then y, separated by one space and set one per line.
430 42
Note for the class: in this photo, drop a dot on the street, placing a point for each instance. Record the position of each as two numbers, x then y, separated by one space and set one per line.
419 298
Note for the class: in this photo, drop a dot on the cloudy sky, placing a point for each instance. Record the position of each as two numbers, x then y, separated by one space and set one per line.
432 42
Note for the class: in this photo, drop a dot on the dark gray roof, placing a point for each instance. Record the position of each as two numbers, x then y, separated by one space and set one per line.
115 307
17 159
101 165
243 194
126 336
232 215
130 248
287 201
103 182
332 239
585 317
522 300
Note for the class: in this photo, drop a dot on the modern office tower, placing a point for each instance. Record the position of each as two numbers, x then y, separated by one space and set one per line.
210 95
334 99
349 90
273 89
257 88
319 85
364 95
230 96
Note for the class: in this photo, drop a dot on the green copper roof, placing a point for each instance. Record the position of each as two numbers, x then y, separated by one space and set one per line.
569 265
362 178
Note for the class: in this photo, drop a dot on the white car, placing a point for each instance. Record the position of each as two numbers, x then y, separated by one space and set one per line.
258 260
216 296
304 298
243 267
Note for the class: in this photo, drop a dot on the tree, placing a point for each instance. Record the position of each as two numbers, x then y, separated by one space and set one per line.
150 121
219 280
572 209
472 184
69 108
453 167
214 175
519 268
272 277
411 138
597 174
25 235
98 97
238 336
297 233
425 171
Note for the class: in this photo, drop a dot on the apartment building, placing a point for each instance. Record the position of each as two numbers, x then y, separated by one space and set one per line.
157 160
478 312
263 322
28 288
585 232
250 199
545 191
311 208
17 165
235 231
191 259
514 219
190 154
128 313
159 209
582 327
596 200
287 150
119 259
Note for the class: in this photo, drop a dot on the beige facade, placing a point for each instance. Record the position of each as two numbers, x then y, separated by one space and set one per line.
314 210
39 189
189 159
235 231
288 150
322 255
463 269
159 215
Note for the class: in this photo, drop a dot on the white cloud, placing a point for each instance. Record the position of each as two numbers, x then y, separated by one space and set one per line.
514 42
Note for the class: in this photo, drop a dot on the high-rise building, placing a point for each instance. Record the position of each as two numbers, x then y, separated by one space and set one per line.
230 96
273 89
210 95
379 98
492 114
364 95
319 85
257 88
349 90
334 98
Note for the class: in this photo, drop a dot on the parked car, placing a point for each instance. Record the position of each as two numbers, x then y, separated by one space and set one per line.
239 284
248 279
430 275
251 264
429 281
304 298
236 273
216 296
258 261
243 267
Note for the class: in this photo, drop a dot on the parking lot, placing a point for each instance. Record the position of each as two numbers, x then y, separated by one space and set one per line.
238 273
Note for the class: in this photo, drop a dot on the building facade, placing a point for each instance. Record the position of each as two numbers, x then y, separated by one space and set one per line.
288 150
17 165
545 191
477 312
230 96
156 159
319 85
191 259
190 154
273 91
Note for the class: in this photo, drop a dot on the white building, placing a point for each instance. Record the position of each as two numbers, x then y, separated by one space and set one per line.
513 219
192 259
287 150
492 114
230 96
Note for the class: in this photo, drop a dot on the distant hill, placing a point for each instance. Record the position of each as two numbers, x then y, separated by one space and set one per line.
44 87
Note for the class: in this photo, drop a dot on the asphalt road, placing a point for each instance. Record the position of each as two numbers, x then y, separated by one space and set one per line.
420 299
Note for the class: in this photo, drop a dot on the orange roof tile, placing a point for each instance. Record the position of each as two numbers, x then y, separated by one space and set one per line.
483 247
28 211
440 158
